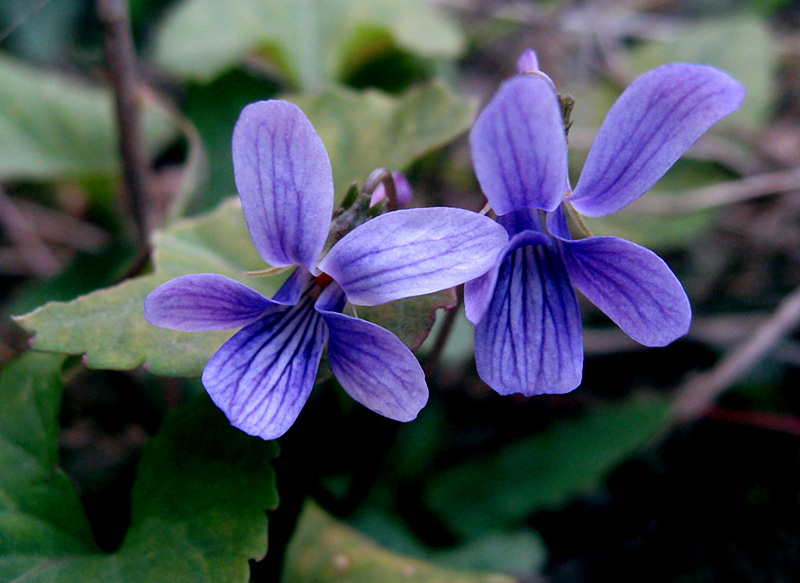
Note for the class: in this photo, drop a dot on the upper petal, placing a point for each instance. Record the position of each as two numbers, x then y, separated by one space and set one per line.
413 252
204 302
650 126
519 148
632 285
372 364
263 375
530 340
284 179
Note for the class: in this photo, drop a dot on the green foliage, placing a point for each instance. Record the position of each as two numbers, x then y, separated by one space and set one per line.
40 515
204 485
54 128
366 130
518 552
410 320
109 326
311 42
324 549
362 130
186 524
543 471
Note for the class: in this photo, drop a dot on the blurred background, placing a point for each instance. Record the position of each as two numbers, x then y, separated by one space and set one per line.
677 464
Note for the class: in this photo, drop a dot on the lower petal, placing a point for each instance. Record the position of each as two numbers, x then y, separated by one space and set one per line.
263 375
373 365
478 292
530 339
632 285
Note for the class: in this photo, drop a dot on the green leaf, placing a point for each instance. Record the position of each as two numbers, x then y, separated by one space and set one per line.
362 130
55 128
367 130
324 549
198 503
750 58
41 517
520 552
205 483
109 326
543 471
310 41
410 320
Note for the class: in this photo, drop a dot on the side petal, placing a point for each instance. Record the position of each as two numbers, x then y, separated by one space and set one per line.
284 179
372 364
263 375
530 339
478 292
650 126
632 285
519 148
413 252
194 303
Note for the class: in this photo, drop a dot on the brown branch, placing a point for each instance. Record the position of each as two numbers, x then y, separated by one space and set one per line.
121 62
33 255
721 194
699 393
58 227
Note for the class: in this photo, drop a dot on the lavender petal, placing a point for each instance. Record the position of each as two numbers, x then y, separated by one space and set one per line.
519 148
478 292
263 375
530 340
632 285
372 364
413 252
284 179
200 302
650 126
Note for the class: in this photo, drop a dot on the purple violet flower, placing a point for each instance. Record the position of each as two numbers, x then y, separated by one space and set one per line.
528 335
263 375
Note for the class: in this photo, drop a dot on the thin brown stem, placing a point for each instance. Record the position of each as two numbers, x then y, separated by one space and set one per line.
444 333
699 393
121 62
33 255
722 194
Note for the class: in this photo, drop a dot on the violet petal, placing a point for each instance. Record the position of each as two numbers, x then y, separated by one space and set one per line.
204 301
530 339
284 179
519 148
632 285
478 292
372 364
263 375
413 252
651 125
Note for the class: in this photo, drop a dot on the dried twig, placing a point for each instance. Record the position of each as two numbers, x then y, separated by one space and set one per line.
121 61
33 255
697 394
59 227
721 194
